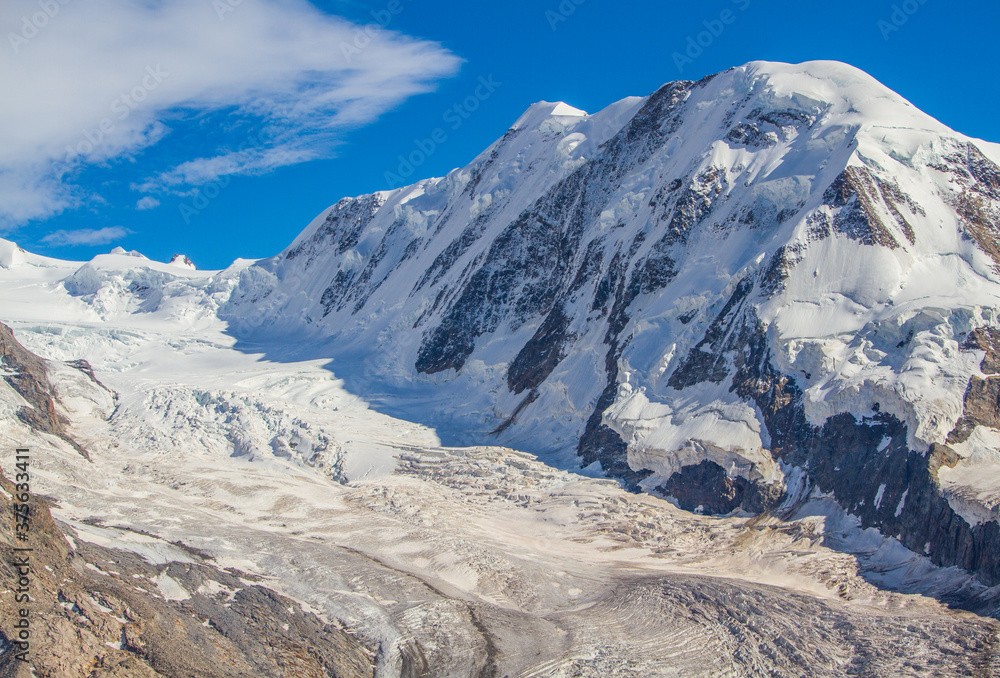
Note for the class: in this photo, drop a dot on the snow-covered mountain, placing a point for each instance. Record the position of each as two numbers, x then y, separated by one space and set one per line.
770 295
777 281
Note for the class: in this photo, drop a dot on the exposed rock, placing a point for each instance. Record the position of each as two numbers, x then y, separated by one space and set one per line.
541 354
860 461
182 260
531 260
97 612
706 488
28 376
778 269
707 360
982 408
982 397
986 339
749 134
695 203
977 199
854 193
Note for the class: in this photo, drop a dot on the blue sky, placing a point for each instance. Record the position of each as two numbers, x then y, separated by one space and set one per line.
228 125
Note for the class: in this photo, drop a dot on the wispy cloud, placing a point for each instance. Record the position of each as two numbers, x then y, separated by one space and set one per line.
104 79
251 161
85 236
147 203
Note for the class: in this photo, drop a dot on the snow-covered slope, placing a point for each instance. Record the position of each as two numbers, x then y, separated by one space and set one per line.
775 274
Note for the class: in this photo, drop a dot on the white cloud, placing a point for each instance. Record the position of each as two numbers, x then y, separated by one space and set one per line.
85 236
147 203
107 78
246 161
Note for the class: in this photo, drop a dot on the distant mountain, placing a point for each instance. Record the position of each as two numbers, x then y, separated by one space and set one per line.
773 283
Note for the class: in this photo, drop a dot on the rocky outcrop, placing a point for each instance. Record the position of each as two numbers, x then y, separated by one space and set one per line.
860 198
982 398
868 467
976 194
707 488
27 374
541 354
97 612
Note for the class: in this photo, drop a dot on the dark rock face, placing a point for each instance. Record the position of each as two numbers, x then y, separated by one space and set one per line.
977 198
443 262
869 468
343 226
601 443
986 339
87 369
780 266
694 204
896 201
681 207
706 487
764 128
520 277
865 464
749 134
341 231
541 354
30 379
855 193
707 361
844 458
982 408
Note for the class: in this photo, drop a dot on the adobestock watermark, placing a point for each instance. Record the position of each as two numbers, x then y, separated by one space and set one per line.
562 12
453 117
901 13
714 28
20 562
31 25
224 7
363 35
121 108
203 196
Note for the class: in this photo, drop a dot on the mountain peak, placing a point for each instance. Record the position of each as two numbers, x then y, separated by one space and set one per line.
11 254
841 89
183 261
121 251
539 112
